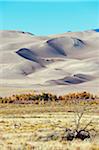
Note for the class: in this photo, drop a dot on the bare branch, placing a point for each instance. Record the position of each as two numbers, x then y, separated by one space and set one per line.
87 124
79 116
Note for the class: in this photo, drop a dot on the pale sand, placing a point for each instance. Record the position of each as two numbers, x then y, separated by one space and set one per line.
60 64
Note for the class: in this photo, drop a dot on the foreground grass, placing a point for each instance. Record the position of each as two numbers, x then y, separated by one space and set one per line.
27 126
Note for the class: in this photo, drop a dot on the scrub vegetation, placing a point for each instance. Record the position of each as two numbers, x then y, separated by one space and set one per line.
49 122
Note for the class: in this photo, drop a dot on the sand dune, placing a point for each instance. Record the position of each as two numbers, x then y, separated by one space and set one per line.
54 63
75 79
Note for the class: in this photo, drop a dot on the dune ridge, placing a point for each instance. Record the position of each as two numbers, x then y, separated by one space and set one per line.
54 63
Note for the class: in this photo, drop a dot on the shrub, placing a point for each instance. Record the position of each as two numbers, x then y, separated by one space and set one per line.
68 98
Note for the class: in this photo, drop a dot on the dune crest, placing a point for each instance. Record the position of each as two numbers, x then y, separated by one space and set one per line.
54 63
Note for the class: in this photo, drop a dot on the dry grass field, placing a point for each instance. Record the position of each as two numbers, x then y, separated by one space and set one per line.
40 127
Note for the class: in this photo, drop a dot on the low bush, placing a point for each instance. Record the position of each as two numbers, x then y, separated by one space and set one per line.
82 97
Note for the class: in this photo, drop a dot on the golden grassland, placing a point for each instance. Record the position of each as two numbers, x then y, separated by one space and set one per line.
30 126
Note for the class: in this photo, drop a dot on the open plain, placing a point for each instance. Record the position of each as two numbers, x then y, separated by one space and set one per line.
41 127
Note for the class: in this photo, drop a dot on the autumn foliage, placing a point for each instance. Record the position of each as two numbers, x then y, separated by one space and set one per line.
48 97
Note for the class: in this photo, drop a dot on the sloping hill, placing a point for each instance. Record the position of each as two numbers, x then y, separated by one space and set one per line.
55 63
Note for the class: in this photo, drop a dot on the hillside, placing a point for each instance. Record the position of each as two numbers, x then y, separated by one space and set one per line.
56 63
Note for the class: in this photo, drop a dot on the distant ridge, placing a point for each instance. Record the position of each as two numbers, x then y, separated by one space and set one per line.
97 30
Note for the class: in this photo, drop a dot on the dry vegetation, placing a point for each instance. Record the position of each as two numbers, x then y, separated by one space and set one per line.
40 122
83 97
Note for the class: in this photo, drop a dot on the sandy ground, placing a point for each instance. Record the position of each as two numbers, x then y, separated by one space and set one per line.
62 63
58 90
